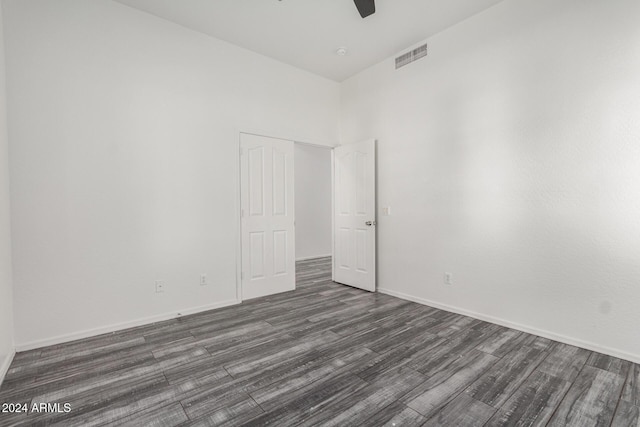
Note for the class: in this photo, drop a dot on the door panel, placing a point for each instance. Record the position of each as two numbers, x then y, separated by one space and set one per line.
280 252
361 250
279 182
344 243
257 255
268 236
256 181
354 215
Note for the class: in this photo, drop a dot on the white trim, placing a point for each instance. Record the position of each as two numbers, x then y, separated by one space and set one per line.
333 215
4 368
238 224
528 329
306 258
272 133
311 144
120 326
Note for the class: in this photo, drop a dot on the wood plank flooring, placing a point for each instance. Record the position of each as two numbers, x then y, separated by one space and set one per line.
325 354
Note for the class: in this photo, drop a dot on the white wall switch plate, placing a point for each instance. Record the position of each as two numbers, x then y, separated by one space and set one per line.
448 277
159 286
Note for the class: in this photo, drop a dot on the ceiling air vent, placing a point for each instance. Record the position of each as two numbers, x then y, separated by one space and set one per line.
412 55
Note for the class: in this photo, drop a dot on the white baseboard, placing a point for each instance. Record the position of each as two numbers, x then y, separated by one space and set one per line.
523 328
120 326
4 367
306 258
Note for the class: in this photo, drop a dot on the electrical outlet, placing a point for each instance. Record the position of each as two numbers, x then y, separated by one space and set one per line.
159 286
203 279
448 278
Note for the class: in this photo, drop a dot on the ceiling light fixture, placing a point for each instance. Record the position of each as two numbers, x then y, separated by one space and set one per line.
341 51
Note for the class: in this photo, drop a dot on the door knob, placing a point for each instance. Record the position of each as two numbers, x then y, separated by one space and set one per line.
370 223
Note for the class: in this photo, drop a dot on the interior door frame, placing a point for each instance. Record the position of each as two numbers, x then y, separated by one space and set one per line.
333 214
238 185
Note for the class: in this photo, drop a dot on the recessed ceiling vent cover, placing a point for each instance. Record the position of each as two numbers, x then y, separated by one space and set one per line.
412 55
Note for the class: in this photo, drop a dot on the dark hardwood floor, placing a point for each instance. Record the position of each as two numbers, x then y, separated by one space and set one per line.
325 354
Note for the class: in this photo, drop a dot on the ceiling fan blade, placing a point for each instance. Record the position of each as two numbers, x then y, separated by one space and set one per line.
365 7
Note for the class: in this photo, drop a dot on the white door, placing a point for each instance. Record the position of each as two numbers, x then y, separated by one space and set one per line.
354 261
267 211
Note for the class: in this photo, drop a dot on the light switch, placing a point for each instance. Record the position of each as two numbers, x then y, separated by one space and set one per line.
386 211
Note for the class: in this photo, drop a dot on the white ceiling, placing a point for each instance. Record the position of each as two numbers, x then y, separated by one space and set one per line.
307 33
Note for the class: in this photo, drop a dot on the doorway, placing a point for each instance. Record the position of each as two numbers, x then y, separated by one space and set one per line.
313 201
323 208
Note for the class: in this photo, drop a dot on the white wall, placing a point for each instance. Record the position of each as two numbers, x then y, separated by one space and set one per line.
511 158
124 132
313 201
6 298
